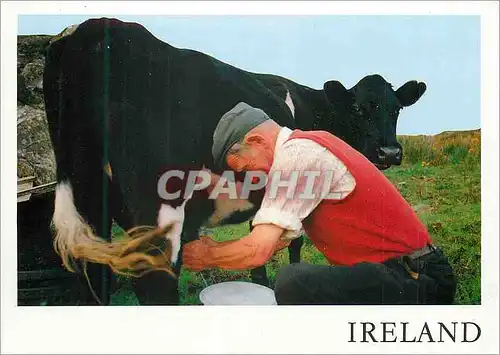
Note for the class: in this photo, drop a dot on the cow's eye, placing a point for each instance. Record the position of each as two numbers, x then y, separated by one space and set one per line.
375 105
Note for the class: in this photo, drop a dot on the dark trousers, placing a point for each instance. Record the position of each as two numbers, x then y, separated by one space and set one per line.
387 283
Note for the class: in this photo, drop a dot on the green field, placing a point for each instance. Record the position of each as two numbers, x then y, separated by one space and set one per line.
440 178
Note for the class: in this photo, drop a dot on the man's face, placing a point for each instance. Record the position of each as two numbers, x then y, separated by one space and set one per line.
252 156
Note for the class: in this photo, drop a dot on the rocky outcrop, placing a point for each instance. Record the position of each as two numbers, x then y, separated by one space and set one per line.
30 62
35 155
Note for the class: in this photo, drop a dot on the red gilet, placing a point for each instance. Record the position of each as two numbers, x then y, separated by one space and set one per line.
372 224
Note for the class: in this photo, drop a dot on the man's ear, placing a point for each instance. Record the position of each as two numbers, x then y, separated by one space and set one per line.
254 139
410 92
336 92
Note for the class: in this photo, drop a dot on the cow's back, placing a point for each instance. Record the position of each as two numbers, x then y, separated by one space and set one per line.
146 106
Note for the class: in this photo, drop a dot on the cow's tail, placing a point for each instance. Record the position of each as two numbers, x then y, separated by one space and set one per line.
141 250
70 230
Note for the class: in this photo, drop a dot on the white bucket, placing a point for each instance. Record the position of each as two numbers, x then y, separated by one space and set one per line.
237 293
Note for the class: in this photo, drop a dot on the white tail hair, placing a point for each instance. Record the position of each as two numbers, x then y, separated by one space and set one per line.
70 228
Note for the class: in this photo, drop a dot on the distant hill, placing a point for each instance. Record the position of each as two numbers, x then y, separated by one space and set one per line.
470 132
445 137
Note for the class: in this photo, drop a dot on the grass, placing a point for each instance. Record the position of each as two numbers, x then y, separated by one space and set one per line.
440 178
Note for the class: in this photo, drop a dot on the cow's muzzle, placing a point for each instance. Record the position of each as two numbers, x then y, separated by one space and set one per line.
388 156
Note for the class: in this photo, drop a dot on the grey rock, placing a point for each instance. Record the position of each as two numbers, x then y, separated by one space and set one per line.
33 75
34 149
30 62
35 155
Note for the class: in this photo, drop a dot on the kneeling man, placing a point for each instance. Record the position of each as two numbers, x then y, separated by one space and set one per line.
379 251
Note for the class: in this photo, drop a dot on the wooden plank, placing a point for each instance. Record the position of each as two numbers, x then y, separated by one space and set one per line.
24 186
47 274
25 179
26 194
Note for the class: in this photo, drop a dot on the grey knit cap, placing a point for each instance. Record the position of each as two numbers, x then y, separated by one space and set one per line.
232 127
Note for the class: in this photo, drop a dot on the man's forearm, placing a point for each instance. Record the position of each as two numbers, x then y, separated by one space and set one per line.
240 254
234 255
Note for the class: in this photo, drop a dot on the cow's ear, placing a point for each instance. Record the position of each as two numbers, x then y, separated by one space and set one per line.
410 92
336 92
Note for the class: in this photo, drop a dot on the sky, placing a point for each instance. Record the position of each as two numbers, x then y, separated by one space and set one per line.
442 51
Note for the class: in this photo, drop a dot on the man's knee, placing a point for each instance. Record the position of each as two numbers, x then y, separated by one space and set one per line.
293 284
285 283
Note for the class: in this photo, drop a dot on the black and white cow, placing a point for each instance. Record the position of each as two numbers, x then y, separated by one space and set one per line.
123 106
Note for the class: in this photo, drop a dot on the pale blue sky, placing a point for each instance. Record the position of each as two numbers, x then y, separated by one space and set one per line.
443 51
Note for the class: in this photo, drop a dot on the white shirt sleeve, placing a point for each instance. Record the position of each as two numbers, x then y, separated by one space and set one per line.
311 172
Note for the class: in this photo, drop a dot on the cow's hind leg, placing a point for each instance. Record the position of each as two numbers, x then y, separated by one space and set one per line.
80 212
100 276
158 288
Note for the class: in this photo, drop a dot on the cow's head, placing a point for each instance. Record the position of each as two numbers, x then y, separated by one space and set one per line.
366 115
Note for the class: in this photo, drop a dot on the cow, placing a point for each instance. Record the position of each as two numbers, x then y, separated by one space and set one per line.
123 106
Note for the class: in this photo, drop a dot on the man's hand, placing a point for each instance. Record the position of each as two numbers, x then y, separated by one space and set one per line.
246 253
